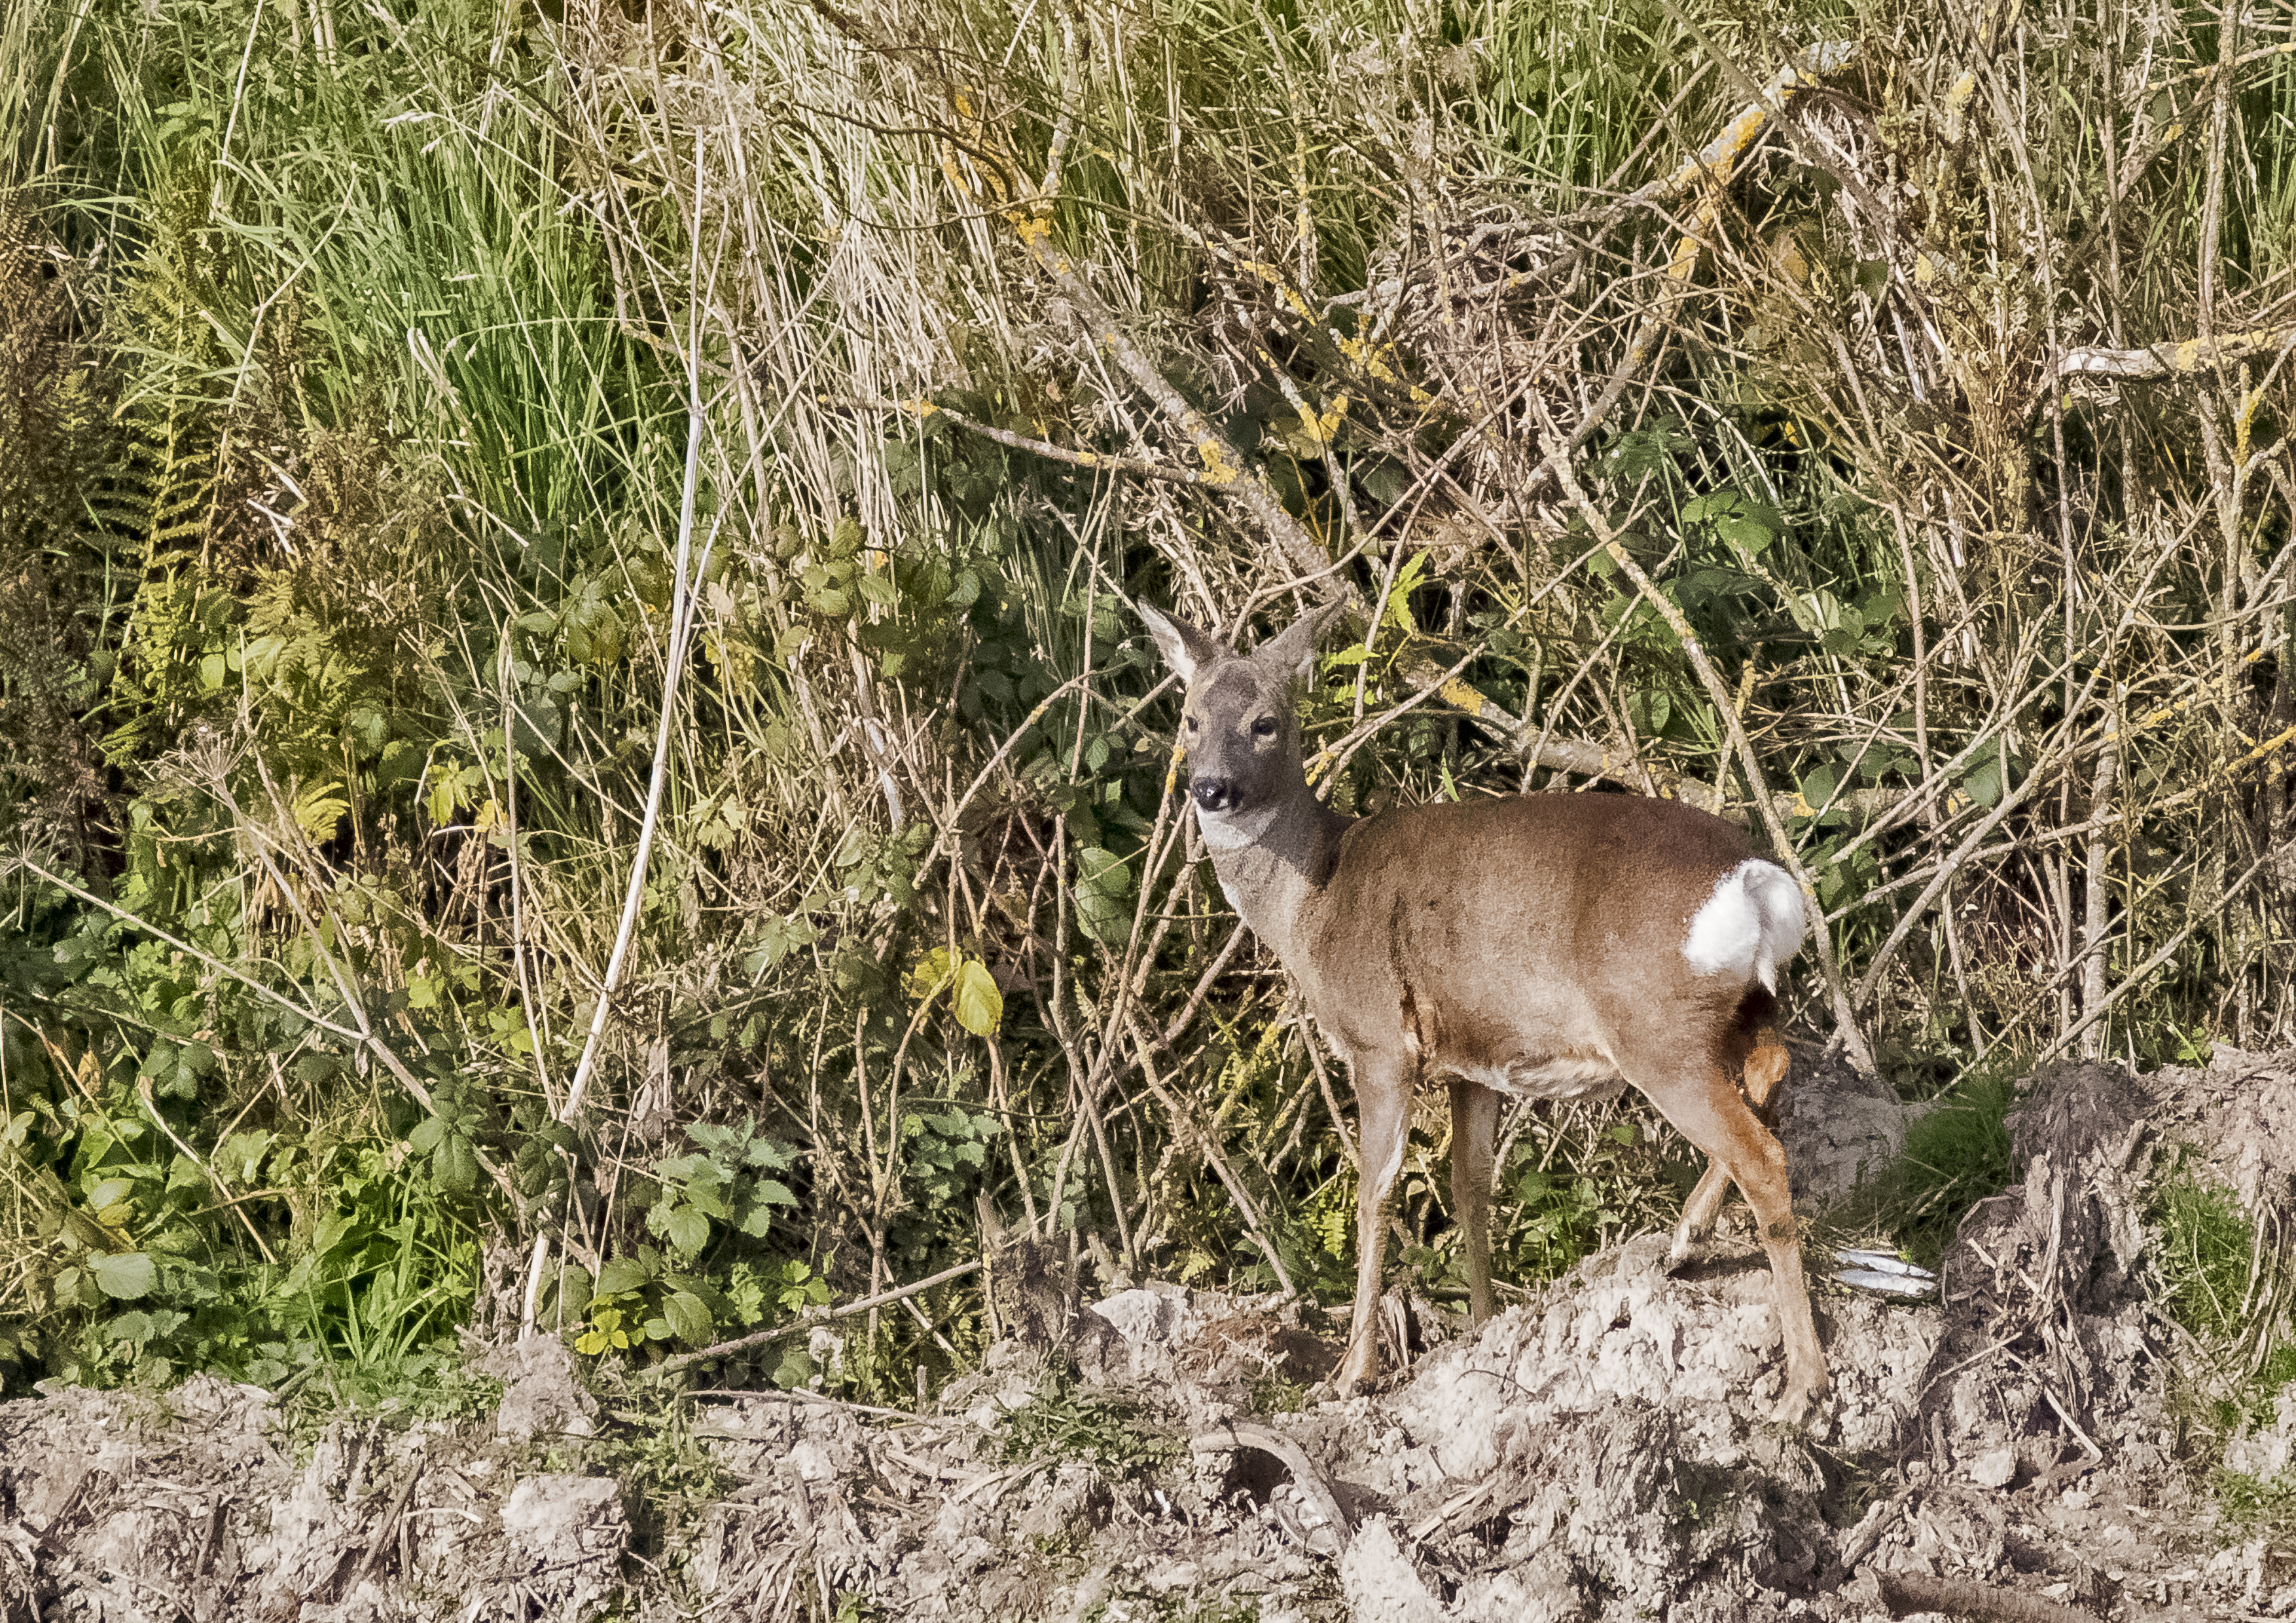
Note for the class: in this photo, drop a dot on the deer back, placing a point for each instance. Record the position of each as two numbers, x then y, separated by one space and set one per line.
1528 942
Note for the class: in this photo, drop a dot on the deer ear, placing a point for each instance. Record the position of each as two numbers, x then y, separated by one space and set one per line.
1185 648
1294 650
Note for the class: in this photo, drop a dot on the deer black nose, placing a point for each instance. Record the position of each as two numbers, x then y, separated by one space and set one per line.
1214 794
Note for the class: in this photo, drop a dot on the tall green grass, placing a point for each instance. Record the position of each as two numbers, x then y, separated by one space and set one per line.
359 417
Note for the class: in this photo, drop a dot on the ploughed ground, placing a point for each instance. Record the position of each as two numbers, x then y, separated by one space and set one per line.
1604 1449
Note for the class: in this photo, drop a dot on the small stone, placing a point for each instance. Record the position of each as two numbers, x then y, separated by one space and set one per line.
1994 1469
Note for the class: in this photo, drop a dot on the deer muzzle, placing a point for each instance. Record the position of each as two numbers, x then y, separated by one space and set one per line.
1215 794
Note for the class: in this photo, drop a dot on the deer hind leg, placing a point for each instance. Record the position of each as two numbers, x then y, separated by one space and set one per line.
1765 1068
1383 1122
1474 1137
1705 1106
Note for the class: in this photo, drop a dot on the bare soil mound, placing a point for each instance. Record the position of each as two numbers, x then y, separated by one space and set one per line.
1606 1449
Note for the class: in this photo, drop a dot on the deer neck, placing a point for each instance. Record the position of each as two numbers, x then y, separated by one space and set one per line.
1273 860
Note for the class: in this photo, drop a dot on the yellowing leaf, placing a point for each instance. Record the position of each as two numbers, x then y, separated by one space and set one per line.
980 1005
932 972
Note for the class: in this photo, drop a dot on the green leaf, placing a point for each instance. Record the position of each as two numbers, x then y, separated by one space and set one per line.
131 1327
689 1230
622 1274
594 634
455 1168
332 1230
707 1194
769 1152
242 1154
127 1276
688 1315
110 1192
980 1005
1103 882
1399 595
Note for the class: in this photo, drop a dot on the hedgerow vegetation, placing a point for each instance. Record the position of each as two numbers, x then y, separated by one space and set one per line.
575 745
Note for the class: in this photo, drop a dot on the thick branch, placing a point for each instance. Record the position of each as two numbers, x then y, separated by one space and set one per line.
2190 359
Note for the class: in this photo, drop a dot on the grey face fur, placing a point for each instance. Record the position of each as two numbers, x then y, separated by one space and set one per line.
1239 726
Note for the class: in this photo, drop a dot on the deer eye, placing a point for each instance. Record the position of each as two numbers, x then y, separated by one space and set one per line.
1265 727
1191 724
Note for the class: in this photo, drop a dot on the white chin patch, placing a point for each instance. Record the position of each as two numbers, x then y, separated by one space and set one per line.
1754 921
1233 831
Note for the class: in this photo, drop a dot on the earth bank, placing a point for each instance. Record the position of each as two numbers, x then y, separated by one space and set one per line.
1603 1450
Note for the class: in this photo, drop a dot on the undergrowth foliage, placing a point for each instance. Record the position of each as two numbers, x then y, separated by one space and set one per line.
575 739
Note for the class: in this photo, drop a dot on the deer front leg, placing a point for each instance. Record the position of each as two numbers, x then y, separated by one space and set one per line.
1474 1136
1383 1122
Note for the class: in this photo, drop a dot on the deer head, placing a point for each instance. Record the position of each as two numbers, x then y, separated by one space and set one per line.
1240 724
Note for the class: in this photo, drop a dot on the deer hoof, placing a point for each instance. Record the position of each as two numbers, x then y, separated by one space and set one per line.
1797 1402
1690 1245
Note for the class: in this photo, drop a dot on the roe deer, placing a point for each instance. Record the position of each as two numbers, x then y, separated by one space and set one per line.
1540 946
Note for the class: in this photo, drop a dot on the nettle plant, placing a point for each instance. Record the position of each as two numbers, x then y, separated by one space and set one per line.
713 1211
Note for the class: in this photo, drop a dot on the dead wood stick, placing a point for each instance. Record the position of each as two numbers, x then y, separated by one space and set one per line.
1908 1592
2189 359
1108 461
668 1366
389 1524
1224 468
1309 1480
1862 1538
2135 977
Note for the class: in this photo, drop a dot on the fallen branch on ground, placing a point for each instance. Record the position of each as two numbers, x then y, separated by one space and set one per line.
1233 1435
1910 1592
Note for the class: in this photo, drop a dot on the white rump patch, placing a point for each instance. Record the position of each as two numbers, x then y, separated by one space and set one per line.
1754 921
